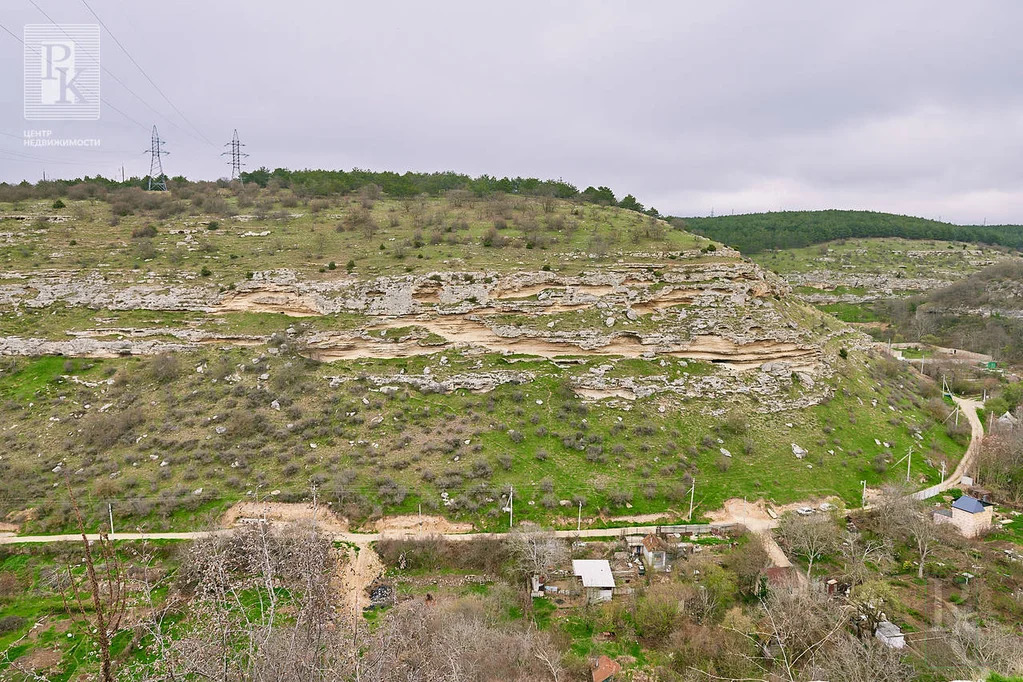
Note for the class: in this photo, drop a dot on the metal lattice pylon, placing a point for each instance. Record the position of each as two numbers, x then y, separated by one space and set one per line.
157 179
236 155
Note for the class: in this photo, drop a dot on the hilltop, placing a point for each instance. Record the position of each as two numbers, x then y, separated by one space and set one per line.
756 232
175 353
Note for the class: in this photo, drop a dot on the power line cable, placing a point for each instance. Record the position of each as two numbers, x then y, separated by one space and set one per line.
10 156
143 72
110 73
27 156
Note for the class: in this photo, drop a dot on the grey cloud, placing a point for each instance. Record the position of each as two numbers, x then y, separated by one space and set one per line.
911 106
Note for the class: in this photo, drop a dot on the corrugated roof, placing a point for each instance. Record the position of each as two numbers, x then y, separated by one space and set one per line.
594 572
968 504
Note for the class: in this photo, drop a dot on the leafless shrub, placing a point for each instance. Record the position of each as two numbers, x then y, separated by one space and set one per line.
165 367
102 430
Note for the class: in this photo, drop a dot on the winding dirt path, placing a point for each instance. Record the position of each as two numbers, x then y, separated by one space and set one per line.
969 409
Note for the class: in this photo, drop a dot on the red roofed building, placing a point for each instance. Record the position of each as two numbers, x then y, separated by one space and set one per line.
605 669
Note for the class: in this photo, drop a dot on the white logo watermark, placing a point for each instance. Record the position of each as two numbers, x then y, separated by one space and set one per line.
62 72
45 138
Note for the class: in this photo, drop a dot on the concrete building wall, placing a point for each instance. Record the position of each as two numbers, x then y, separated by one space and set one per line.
971 525
595 595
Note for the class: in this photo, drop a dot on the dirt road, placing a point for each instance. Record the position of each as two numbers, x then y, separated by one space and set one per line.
360 539
969 409
358 574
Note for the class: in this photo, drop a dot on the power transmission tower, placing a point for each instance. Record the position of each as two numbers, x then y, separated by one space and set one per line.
157 180
236 155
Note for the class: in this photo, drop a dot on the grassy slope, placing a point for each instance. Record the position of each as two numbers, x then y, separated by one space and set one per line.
380 454
886 256
398 438
417 236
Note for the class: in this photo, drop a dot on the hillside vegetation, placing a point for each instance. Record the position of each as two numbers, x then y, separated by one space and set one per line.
755 232
981 312
172 353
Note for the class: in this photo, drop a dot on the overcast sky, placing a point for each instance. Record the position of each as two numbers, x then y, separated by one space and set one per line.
910 107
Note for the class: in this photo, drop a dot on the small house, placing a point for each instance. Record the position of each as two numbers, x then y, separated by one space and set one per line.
968 514
890 634
598 582
650 549
655 553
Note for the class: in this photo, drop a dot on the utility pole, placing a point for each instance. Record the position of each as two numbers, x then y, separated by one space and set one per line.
579 522
511 504
110 510
909 463
236 155
157 180
692 498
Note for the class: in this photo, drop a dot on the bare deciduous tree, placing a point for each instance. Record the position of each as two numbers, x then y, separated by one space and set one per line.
104 582
983 649
536 552
797 627
900 516
749 562
262 607
853 660
860 551
417 643
925 534
1001 462
809 536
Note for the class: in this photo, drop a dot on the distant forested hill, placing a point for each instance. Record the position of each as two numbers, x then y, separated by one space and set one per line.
755 232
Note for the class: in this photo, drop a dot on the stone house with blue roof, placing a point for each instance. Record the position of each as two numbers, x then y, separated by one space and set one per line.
971 516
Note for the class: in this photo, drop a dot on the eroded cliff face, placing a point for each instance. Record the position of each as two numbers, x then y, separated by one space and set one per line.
722 310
